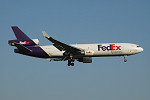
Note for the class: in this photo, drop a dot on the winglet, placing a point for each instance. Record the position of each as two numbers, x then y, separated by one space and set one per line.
45 34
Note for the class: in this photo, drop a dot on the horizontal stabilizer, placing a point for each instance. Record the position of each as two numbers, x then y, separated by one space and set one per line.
22 48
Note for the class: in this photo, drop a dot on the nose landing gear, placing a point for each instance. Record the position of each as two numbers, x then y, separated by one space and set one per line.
125 58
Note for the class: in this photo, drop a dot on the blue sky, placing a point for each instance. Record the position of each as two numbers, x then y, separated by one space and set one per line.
76 21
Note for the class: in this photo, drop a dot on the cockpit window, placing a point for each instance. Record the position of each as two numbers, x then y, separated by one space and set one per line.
138 46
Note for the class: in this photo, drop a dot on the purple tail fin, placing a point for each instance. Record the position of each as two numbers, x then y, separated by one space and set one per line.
21 36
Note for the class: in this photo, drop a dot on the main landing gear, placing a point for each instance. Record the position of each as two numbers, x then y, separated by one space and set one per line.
70 58
125 58
71 61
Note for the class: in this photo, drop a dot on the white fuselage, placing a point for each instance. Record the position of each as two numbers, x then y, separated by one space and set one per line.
60 51
97 50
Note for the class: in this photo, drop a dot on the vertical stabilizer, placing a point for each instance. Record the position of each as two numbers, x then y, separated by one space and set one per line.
21 36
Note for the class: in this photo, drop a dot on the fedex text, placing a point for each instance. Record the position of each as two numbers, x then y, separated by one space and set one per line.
110 47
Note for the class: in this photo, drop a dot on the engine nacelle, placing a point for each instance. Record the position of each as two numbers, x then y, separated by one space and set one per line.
32 42
85 60
56 59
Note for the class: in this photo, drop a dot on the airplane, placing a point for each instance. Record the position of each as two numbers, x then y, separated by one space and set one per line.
60 51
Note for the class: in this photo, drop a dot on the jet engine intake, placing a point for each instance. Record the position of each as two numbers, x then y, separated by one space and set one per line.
85 60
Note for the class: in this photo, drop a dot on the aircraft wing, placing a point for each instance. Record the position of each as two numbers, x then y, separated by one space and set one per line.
21 47
60 45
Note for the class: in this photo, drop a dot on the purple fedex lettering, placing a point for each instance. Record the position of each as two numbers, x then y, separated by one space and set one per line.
110 47
104 47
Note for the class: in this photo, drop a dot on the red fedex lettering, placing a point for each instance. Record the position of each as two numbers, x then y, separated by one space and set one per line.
112 46
26 42
118 48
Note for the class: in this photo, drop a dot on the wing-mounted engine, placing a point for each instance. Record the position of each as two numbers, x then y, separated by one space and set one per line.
85 60
31 42
56 59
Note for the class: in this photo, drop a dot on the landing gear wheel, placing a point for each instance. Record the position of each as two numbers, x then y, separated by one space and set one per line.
72 64
68 64
125 58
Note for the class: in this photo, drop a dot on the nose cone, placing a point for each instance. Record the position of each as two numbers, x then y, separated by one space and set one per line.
140 49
